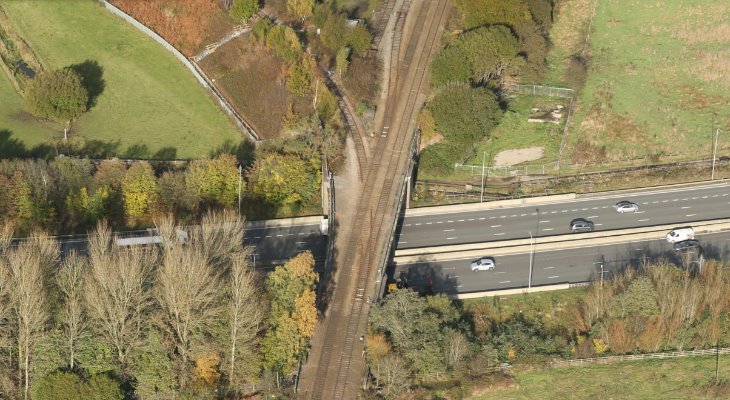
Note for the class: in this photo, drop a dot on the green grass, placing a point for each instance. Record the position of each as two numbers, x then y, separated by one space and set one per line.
678 378
151 105
657 81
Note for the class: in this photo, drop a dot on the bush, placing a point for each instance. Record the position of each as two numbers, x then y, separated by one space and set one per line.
244 9
62 385
57 94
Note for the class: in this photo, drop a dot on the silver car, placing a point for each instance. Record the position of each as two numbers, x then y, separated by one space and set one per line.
626 206
483 264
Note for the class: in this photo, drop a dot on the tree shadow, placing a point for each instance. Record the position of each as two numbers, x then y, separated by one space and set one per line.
11 147
425 275
137 151
165 153
243 151
91 74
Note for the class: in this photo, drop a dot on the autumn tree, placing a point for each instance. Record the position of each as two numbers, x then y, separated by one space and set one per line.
70 281
283 179
187 294
243 9
300 8
26 269
245 318
117 291
216 181
301 76
57 94
139 188
293 313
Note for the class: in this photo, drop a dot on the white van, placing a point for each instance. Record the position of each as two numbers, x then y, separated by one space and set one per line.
680 234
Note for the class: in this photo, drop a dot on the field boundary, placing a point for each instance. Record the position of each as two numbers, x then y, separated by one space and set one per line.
634 357
194 69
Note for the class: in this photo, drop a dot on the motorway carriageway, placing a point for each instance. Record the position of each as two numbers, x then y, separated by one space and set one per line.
679 206
577 264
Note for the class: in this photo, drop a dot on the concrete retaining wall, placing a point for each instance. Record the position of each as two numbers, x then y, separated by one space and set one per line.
507 292
441 210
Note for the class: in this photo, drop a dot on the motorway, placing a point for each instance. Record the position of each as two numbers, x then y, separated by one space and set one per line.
678 206
577 264
274 244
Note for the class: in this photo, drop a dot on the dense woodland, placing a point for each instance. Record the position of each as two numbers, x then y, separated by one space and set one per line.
491 44
417 342
189 319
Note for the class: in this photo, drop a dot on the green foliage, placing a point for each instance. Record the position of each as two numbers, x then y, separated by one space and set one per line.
284 41
282 179
341 62
359 39
153 368
300 8
639 298
526 338
61 385
95 356
293 312
300 77
139 188
56 94
481 55
243 9
216 181
176 194
335 34
261 29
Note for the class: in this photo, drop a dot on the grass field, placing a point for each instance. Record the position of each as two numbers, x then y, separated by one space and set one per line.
657 77
150 106
678 378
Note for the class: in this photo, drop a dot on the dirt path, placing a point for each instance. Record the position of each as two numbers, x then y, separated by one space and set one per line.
508 158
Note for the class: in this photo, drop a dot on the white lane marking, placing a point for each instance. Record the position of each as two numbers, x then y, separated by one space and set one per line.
685 199
407 224
575 209
429 223
522 215
471 219
451 238
461 220
454 276
499 234
562 211
592 216
554 276
665 201
448 268
715 195
449 221
459 285
597 224
505 282
695 198
482 219
547 229
704 197
536 213
504 272
594 208
402 242
583 209
279 235
686 207
548 267
554 212
268 235
644 220
300 242
690 215
654 202
495 226
504 216
637 249
492 217
544 222
448 230
646 202
259 237
724 194
639 212
302 233
513 215
439 222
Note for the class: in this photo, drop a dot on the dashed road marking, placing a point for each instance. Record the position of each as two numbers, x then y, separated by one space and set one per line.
499 234
644 220
544 222
505 282
686 207
554 276
495 226
690 215
451 238
548 267
448 230
548 229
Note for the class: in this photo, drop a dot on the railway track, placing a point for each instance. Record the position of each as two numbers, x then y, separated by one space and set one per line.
336 376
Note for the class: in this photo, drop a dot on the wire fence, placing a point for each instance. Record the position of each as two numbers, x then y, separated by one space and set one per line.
538 90
631 357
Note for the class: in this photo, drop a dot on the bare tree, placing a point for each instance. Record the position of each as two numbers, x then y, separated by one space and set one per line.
219 238
187 293
458 347
245 315
26 268
117 291
70 280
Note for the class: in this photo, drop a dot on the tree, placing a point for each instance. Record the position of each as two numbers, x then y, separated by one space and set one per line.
26 268
243 9
293 312
176 195
61 385
300 77
139 189
57 94
300 8
392 374
341 62
283 180
245 316
216 180
359 39
464 114
116 292
186 292
70 281
152 368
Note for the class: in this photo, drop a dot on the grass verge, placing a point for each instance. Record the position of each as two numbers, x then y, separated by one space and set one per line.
149 106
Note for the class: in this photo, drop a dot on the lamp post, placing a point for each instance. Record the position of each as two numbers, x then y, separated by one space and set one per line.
601 275
532 251
484 159
714 154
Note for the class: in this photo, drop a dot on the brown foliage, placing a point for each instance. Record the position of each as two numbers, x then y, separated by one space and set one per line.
181 23
362 80
620 337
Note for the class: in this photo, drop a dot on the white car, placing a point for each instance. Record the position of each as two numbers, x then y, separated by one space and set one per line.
680 234
626 206
483 264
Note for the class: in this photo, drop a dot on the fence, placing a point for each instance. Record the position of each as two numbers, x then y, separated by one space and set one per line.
194 69
538 90
631 357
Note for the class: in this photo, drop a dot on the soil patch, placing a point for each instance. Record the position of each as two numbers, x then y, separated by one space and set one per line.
513 157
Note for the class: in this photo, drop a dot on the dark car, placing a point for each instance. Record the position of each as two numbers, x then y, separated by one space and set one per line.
686 245
581 225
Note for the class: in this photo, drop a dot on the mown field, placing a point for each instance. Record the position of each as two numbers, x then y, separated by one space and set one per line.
678 378
656 81
150 104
